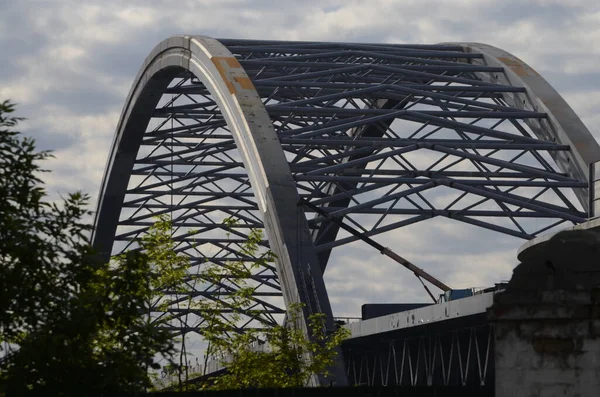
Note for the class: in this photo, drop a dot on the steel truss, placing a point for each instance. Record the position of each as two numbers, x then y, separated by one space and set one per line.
381 136
462 357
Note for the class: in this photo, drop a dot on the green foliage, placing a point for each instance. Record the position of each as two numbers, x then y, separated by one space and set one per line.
290 359
68 323
168 273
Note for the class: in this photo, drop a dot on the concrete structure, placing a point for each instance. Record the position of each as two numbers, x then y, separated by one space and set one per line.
548 319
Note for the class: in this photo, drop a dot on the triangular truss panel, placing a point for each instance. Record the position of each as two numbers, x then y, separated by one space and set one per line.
188 168
378 129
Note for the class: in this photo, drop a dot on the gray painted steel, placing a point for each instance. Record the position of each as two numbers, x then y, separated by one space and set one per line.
563 126
261 154
595 190
244 128
477 304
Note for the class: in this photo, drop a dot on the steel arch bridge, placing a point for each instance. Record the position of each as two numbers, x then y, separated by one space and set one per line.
374 136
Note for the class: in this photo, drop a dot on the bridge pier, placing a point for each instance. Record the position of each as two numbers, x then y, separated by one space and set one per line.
547 320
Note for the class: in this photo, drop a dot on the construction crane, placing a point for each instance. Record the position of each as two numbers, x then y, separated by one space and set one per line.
417 271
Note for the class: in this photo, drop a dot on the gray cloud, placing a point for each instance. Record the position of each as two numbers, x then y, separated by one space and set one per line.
70 65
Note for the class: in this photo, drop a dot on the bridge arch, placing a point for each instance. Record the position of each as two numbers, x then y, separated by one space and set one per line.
355 129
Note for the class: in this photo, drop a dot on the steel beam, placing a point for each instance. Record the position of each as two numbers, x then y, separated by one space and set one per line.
246 128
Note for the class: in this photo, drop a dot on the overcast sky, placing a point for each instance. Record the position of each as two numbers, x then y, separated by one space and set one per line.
69 66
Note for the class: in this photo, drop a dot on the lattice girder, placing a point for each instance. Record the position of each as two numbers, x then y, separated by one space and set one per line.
380 136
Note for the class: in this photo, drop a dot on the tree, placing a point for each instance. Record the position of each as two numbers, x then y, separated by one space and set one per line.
69 324
284 362
166 275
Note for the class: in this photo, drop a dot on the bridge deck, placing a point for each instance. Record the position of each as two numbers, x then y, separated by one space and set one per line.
434 313
443 344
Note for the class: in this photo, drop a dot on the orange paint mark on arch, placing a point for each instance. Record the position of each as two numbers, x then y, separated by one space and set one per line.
517 66
228 68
